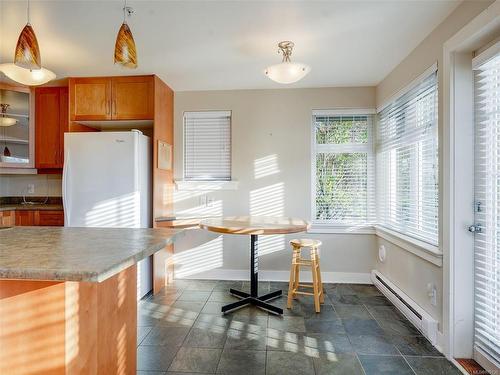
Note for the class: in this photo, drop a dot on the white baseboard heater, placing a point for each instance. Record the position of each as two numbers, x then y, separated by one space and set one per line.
413 312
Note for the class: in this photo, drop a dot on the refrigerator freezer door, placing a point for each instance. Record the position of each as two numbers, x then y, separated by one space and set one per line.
101 180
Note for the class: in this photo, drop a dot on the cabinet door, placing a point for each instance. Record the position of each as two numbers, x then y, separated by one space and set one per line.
25 218
7 218
50 218
90 98
47 127
133 98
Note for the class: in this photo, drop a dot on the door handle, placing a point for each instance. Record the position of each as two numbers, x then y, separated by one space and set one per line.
476 228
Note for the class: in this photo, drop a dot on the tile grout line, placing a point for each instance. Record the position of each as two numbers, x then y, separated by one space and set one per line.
408 363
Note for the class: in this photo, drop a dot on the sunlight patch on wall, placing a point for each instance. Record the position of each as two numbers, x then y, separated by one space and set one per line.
266 166
269 201
120 211
200 258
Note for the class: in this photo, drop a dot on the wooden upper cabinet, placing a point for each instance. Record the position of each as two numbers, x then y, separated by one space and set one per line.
132 98
51 121
90 98
111 98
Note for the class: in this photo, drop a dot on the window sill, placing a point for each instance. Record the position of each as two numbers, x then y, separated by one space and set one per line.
341 229
428 252
206 185
419 248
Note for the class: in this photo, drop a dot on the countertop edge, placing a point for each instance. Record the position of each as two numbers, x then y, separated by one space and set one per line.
89 276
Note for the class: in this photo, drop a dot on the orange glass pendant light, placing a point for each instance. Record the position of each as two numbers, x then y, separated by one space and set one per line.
27 53
125 51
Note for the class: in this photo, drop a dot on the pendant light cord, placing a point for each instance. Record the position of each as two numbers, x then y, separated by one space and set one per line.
124 11
28 11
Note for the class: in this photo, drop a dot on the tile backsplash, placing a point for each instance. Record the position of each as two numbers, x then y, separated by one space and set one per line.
31 185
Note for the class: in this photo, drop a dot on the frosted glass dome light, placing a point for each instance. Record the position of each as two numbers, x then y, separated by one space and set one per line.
25 76
287 72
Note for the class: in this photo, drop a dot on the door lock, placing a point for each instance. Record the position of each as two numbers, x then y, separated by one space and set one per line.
476 228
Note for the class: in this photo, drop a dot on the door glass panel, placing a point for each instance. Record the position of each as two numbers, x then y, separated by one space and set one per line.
14 127
487 210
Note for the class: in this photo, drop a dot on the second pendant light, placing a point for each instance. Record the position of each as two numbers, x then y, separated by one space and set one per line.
125 51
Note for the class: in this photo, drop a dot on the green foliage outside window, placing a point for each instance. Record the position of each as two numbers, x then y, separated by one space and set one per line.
341 177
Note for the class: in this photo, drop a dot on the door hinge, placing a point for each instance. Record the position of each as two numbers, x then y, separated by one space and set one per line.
476 228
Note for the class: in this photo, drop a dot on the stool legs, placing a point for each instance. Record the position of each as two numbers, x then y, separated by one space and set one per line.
294 276
314 266
322 294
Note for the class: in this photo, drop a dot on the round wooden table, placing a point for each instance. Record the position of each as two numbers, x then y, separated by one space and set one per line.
254 226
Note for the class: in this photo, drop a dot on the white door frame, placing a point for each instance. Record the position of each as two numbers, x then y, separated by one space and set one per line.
458 169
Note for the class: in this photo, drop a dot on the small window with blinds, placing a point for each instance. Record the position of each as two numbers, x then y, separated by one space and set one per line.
407 162
207 146
487 194
342 169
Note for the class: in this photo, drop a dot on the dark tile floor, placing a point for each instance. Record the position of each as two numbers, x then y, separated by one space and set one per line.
181 331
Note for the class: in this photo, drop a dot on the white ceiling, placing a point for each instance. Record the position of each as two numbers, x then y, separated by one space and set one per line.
208 45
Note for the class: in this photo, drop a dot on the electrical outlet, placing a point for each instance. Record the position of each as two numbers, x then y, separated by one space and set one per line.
432 293
210 201
30 189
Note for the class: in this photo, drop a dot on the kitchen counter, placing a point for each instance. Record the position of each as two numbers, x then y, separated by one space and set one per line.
30 207
76 254
68 297
180 221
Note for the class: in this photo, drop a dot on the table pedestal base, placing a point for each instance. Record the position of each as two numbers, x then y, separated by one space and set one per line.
247 299
252 298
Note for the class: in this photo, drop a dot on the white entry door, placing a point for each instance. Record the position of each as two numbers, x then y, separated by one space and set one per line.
487 214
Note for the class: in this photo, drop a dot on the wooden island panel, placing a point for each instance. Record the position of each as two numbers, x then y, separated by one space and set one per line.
49 327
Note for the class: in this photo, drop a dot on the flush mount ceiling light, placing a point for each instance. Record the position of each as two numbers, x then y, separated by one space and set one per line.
4 119
27 67
287 72
125 52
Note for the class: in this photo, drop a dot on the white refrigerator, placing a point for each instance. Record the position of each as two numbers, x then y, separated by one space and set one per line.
107 183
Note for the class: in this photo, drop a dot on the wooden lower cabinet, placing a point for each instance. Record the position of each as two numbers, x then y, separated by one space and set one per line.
53 218
7 218
69 327
25 218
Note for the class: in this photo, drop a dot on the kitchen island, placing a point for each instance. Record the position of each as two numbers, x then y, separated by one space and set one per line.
68 298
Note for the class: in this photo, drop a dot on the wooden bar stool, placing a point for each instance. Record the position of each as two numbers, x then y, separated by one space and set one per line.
297 262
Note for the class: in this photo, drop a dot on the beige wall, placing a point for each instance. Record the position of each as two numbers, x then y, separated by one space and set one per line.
272 128
16 185
410 273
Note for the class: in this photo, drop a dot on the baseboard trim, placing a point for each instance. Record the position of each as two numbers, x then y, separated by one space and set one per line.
267 275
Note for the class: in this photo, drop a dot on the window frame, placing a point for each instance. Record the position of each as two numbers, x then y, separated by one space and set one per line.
414 174
191 183
327 226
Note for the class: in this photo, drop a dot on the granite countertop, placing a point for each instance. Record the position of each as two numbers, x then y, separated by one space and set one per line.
38 203
29 207
76 254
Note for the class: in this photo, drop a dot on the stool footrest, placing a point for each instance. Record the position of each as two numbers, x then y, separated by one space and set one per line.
303 293
306 285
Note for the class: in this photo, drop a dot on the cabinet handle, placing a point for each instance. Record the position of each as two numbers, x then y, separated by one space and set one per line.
107 107
114 107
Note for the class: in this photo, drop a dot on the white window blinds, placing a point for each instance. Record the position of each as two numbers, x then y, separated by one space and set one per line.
487 192
407 162
343 166
207 145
